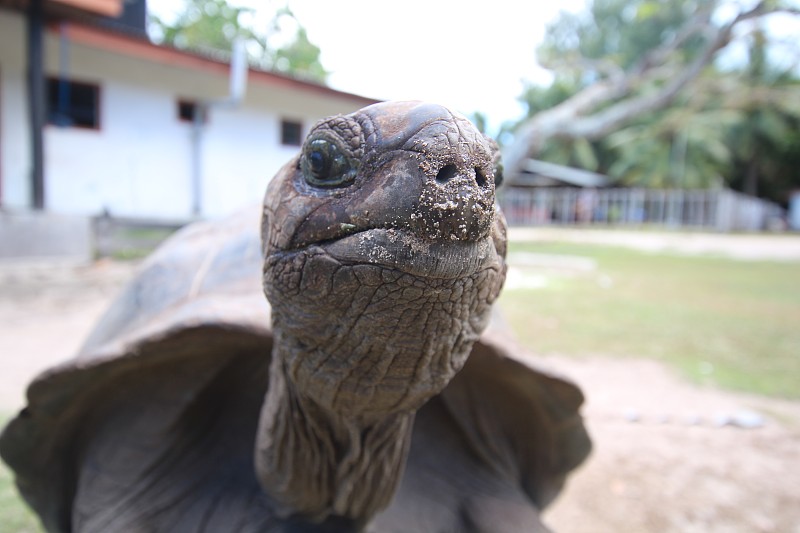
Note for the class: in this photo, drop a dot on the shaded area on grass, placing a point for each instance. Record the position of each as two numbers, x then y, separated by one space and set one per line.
127 239
15 516
720 321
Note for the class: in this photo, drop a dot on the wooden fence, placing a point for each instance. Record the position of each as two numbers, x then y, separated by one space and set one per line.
718 210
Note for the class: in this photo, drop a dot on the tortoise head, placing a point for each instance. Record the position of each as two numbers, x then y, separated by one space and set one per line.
383 251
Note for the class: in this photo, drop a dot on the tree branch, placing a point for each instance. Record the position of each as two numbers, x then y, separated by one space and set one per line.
573 118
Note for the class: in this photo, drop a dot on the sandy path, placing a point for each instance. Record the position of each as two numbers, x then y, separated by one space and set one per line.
46 310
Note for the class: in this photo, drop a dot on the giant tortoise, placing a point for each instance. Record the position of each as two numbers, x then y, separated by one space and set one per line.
381 251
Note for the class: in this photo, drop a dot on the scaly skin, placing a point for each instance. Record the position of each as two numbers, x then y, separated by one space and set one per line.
383 254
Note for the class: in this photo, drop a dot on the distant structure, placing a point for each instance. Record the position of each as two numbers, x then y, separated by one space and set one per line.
94 118
544 193
794 210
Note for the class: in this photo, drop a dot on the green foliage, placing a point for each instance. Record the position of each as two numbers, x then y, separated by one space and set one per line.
736 126
300 56
480 120
15 516
204 24
537 99
720 321
766 138
681 147
213 25
615 32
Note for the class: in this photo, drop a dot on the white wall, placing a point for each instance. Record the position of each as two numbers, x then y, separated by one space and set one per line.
14 133
139 162
136 164
242 147
242 152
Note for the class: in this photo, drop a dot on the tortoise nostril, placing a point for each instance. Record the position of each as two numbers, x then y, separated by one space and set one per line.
480 177
447 173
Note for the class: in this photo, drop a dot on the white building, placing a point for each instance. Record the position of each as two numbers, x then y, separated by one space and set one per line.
119 135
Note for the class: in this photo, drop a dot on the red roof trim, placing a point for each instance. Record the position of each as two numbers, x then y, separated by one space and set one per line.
137 47
108 8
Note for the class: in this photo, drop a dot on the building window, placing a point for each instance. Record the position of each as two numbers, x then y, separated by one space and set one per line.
187 109
291 133
73 104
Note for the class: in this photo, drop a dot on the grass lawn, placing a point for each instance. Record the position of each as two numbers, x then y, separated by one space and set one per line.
735 324
15 516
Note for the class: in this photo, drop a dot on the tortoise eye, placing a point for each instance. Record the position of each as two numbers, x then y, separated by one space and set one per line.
317 164
324 164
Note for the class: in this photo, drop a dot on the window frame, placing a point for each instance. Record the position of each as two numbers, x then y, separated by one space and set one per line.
289 122
52 113
195 105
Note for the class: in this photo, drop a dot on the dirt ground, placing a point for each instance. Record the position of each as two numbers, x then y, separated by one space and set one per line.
672 457
668 457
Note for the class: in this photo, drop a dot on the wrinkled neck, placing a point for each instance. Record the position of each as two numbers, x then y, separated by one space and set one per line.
318 464
357 350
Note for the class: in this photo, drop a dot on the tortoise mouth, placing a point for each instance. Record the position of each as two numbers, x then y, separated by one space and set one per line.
404 251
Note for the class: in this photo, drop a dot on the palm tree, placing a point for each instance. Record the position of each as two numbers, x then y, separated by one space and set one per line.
680 147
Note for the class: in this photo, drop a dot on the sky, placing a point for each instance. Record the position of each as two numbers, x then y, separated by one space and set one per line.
469 56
